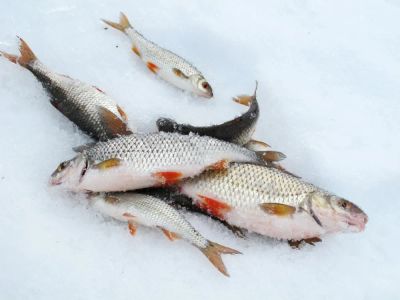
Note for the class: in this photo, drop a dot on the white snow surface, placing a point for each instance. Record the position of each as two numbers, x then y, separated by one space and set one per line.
328 75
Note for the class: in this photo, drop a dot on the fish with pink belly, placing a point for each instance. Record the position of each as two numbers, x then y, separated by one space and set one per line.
145 160
273 203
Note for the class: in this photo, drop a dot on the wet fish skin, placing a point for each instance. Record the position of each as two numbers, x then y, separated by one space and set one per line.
89 108
140 209
273 203
166 64
145 160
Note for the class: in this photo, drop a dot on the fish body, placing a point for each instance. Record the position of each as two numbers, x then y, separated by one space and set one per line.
139 209
272 203
144 160
238 131
166 64
88 107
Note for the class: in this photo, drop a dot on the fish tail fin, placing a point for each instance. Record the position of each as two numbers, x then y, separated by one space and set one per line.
270 156
246 99
27 56
213 252
122 25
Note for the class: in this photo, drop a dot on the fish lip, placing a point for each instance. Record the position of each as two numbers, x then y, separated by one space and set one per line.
54 181
359 223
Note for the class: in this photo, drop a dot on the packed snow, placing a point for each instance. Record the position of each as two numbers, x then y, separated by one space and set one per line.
328 75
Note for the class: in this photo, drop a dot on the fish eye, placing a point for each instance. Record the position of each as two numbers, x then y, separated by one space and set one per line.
343 204
205 85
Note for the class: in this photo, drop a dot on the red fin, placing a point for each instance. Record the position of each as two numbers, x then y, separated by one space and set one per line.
172 236
168 178
132 228
214 207
152 67
219 165
136 51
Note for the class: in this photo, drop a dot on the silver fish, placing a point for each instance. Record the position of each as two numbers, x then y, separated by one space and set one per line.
169 66
273 203
238 131
144 160
87 106
139 209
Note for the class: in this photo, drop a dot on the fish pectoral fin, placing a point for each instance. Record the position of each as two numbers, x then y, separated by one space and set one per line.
114 125
255 145
107 164
168 177
213 206
132 227
172 236
295 244
219 165
152 67
179 73
213 252
111 199
278 209
313 240
271 156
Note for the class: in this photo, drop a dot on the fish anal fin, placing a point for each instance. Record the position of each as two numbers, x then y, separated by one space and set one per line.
136 51
278 209
213 206
132 228
213 252
168 177
115 126
255 145
179 73
219 165
152 67
172 236
270 156
107 164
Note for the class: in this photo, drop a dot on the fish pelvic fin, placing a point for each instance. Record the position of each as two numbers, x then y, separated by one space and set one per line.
213 252
114 125
122 25
270 156
27 56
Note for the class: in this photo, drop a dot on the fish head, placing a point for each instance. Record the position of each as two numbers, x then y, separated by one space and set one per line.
200 86
70 172
338 214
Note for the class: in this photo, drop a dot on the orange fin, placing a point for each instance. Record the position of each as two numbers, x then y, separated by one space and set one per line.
219 165
132 228
245 99
269 156
168 178
172 236
255 145
213 252
214 207
278 209
152 67
107 164
136 51
27 55
179 73
122 25
122 113
11 57
111 199
114 125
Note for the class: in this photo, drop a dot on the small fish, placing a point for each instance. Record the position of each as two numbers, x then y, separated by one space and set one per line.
87 106
169 66
145 160
139 209
238 131
272 203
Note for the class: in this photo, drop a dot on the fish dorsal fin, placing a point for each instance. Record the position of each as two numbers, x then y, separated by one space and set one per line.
107 164
179 73
278 209
81 148
113 124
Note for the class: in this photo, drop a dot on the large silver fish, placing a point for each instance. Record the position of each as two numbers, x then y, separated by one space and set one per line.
144 160
139 209
238 131
169 66
87 106
273 203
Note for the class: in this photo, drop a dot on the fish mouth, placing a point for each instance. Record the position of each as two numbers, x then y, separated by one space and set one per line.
55 181
358 223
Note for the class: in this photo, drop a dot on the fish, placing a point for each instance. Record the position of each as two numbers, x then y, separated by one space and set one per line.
91 109
144 160
238 131
166 64
140 209
272 203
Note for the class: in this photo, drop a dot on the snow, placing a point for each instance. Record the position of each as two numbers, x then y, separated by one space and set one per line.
328 89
